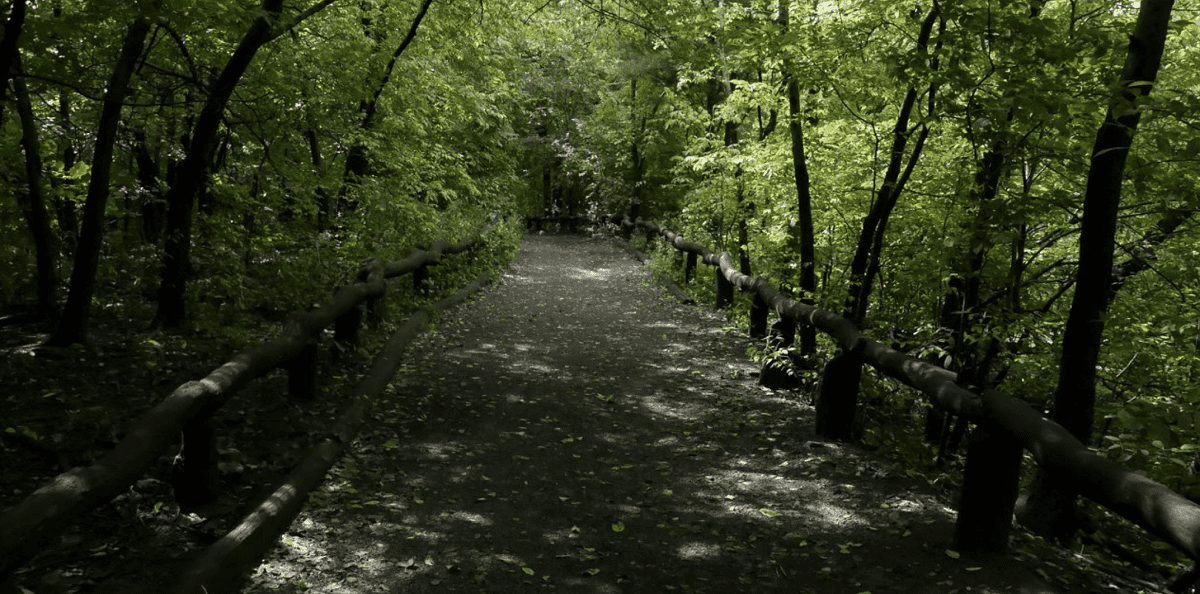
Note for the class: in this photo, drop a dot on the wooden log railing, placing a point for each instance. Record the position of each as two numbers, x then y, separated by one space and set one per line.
32 524
990 481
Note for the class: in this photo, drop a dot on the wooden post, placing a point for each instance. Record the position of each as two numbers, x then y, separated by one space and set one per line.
690 269
776 373
989 494
421 280
724 290
194 475
302 374
375 312
758 316
838 396
345 328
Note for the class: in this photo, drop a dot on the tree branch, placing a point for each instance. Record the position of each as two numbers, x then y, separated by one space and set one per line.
296 20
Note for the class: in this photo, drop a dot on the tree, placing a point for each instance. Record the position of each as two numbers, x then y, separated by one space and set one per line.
72 326
868 256
9 46
34 203
801 232
192 173
1050 506
357 163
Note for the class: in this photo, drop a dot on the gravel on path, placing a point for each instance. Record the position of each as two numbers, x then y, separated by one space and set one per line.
576 430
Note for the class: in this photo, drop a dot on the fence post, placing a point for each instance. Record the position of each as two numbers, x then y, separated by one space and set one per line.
345 328
989 493
374 269
690 269
777 373
758 313
838 395
194 474
302 373
420 278
724 290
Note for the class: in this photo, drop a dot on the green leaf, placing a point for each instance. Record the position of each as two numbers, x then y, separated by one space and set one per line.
770 513
618 526
527 569
953 554
592 571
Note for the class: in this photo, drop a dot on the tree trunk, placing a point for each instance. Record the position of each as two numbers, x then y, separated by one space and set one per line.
867 256
743 232
801 233
8 48
181 198
34 205
637 161
65 209
72 327
148 175
1050 507
357 160
322 196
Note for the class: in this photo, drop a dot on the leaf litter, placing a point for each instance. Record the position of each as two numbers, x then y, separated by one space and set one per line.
575 429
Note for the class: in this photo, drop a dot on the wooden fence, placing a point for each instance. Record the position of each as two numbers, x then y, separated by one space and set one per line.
993 461
34 523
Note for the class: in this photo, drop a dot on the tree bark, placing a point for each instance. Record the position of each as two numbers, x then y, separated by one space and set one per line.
181 198
801 233
72 327
68 219
867 256
357 161
743 232
34 206
192 174
1051 505
1141 255
148 175
9 46
637 161
318 162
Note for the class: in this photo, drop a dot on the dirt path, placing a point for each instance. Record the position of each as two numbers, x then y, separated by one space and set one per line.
575 430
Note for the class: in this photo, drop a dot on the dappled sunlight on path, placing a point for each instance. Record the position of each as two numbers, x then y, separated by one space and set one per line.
575 430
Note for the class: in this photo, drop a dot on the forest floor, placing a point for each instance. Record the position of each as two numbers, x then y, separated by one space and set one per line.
573 429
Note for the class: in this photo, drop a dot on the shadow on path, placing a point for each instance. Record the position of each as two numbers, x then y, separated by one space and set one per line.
575 430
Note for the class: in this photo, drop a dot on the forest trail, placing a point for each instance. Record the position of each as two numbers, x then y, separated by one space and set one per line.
575 430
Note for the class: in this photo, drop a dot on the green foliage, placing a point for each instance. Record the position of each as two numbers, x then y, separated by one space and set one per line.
532 108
